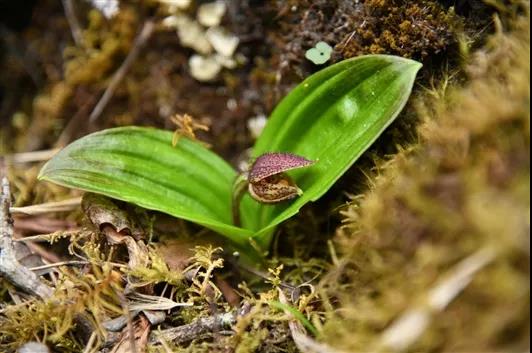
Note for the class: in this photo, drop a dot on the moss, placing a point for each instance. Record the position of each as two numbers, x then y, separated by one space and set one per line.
91 295
104 43
465 186
48 108
415 30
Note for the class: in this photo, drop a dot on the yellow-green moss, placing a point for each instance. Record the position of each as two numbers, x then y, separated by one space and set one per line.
464 187
105 42
414 29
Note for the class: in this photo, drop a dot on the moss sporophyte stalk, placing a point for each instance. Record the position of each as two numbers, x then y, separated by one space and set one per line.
317 121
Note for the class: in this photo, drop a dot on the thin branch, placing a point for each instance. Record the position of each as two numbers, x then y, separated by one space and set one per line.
92 340
57 264
44 238
142 38
412 324
10 268
30 157
48 207
73 22
197 328
76 123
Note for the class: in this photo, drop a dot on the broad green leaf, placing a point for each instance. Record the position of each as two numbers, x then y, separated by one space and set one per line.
139 165
333 117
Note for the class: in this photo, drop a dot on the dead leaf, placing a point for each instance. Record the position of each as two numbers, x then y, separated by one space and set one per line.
102 211
141 331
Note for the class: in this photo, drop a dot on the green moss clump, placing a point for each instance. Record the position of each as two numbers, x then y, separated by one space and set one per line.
416 29
78 298
413 29
104 42
464 187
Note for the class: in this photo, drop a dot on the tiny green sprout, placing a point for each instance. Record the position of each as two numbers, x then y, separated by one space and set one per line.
320 54
331 117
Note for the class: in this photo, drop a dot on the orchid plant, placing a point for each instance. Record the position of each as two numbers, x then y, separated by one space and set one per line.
313 136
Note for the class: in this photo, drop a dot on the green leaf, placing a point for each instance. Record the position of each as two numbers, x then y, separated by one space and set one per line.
333 117
139 165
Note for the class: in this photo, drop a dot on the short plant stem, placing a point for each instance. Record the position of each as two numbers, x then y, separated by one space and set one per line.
239 189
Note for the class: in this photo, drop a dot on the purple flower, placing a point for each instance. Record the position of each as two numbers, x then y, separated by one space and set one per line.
267 180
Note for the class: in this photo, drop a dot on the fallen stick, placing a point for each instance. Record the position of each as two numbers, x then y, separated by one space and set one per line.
31 157
182 334
142 38
48 207
197 328
73 22
10 268
411 325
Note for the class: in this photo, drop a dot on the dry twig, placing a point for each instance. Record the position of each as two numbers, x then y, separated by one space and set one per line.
73 22
412 324
30 157
10 268
196 329
142 38
48 207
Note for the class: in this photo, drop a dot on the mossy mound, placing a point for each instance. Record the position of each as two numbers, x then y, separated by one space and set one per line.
464 188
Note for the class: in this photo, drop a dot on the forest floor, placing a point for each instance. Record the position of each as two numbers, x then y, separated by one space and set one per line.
390 259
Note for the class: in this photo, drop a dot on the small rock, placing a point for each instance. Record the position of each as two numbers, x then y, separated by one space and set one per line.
109 8
256 125
223 42
170 21
33 347
204 68
228 63
211 14
192 35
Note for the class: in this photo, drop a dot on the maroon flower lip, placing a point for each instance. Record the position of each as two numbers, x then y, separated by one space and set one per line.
273 163
267 182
